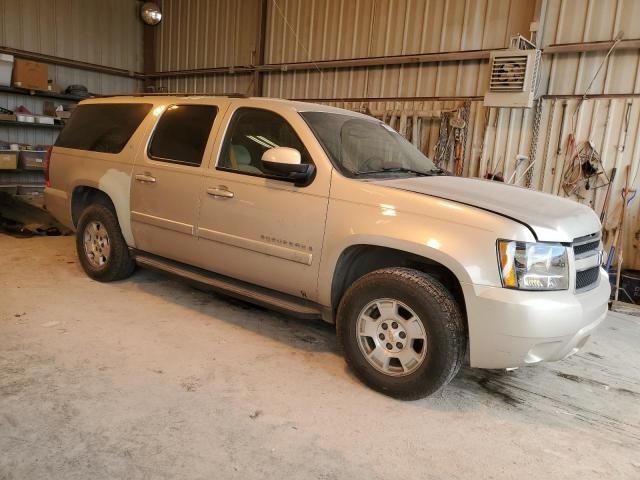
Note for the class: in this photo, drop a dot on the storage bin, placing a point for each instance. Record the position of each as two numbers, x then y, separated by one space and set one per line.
24 117
45 120
10 189
30 189
8 160
32 159
6 69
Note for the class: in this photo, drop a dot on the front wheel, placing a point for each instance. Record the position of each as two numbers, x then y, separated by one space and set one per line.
103 253
401 332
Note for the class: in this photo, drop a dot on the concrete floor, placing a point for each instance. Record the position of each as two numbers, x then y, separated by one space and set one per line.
149 378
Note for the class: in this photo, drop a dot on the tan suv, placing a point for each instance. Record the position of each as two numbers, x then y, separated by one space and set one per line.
322 212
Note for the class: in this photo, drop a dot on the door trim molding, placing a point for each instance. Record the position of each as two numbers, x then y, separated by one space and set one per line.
162 222
285 253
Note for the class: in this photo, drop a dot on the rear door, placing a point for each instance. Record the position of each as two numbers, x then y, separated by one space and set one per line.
167 179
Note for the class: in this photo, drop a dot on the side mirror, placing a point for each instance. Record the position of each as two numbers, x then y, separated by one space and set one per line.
285 163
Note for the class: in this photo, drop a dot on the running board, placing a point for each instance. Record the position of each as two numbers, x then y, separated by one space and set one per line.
235 288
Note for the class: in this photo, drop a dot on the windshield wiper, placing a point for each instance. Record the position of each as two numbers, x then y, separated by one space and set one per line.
433 171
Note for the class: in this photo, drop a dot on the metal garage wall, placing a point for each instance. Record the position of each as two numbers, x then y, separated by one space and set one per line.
570 21
102 32
313 30
203 34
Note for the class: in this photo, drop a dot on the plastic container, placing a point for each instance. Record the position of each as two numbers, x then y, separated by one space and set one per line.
45 120
24 117
6 69
10 189
32 159
30 189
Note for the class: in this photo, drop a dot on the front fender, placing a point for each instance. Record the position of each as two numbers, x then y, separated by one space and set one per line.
463 239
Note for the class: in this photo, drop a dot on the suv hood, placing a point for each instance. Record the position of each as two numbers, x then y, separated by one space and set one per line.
551 218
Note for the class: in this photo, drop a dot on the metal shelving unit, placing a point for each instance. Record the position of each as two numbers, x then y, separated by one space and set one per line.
36 93
14 123
32 181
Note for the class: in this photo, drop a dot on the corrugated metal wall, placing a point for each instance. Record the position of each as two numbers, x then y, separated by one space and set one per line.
207 33
570 21
312 30
316 30
106 32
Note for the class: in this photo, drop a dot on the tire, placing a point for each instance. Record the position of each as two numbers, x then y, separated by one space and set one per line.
115 262
435 346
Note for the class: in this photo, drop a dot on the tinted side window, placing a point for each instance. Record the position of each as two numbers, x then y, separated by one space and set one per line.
251 133
182 133
103 127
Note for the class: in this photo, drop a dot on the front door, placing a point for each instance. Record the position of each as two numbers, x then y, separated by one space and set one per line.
263 231
167 181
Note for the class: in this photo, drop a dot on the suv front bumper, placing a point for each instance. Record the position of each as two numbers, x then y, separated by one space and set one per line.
512 328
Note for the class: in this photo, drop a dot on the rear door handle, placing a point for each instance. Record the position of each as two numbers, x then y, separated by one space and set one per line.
145 178
220 192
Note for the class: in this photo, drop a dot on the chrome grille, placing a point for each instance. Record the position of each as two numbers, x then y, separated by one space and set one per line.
587 254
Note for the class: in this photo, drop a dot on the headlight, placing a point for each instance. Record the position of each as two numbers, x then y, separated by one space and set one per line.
533 266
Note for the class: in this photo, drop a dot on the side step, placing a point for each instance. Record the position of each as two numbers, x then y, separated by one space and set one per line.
235 288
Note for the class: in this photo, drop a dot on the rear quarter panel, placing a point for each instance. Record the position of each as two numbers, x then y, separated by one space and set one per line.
108 172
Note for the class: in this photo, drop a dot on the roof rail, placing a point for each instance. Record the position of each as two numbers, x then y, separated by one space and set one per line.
178 94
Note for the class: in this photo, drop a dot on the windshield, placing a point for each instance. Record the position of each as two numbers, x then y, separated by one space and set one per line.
360 147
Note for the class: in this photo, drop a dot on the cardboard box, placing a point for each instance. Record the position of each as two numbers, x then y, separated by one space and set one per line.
30 75
8 117
8 159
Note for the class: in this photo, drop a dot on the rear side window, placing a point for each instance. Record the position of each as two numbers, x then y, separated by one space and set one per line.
182 133
103 127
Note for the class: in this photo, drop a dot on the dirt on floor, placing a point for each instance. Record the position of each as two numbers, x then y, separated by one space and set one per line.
150 378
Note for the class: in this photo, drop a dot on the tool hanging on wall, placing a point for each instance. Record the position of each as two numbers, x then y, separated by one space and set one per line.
545 155
627 198
452 138
443 147
605 205
496 174
564 110
584 172
458 124
533 147
519 160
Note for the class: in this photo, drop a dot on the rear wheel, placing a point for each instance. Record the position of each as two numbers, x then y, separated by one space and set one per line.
103 253
401 332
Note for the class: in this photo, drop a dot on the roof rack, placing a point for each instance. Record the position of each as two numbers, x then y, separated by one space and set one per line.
179 94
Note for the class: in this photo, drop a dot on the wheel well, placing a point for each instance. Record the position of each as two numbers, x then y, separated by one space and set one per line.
82 197
359 260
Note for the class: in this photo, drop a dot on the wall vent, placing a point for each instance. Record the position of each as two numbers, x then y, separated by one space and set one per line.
513 79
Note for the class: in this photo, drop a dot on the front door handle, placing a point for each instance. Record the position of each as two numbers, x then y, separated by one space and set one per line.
220 191
145 178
